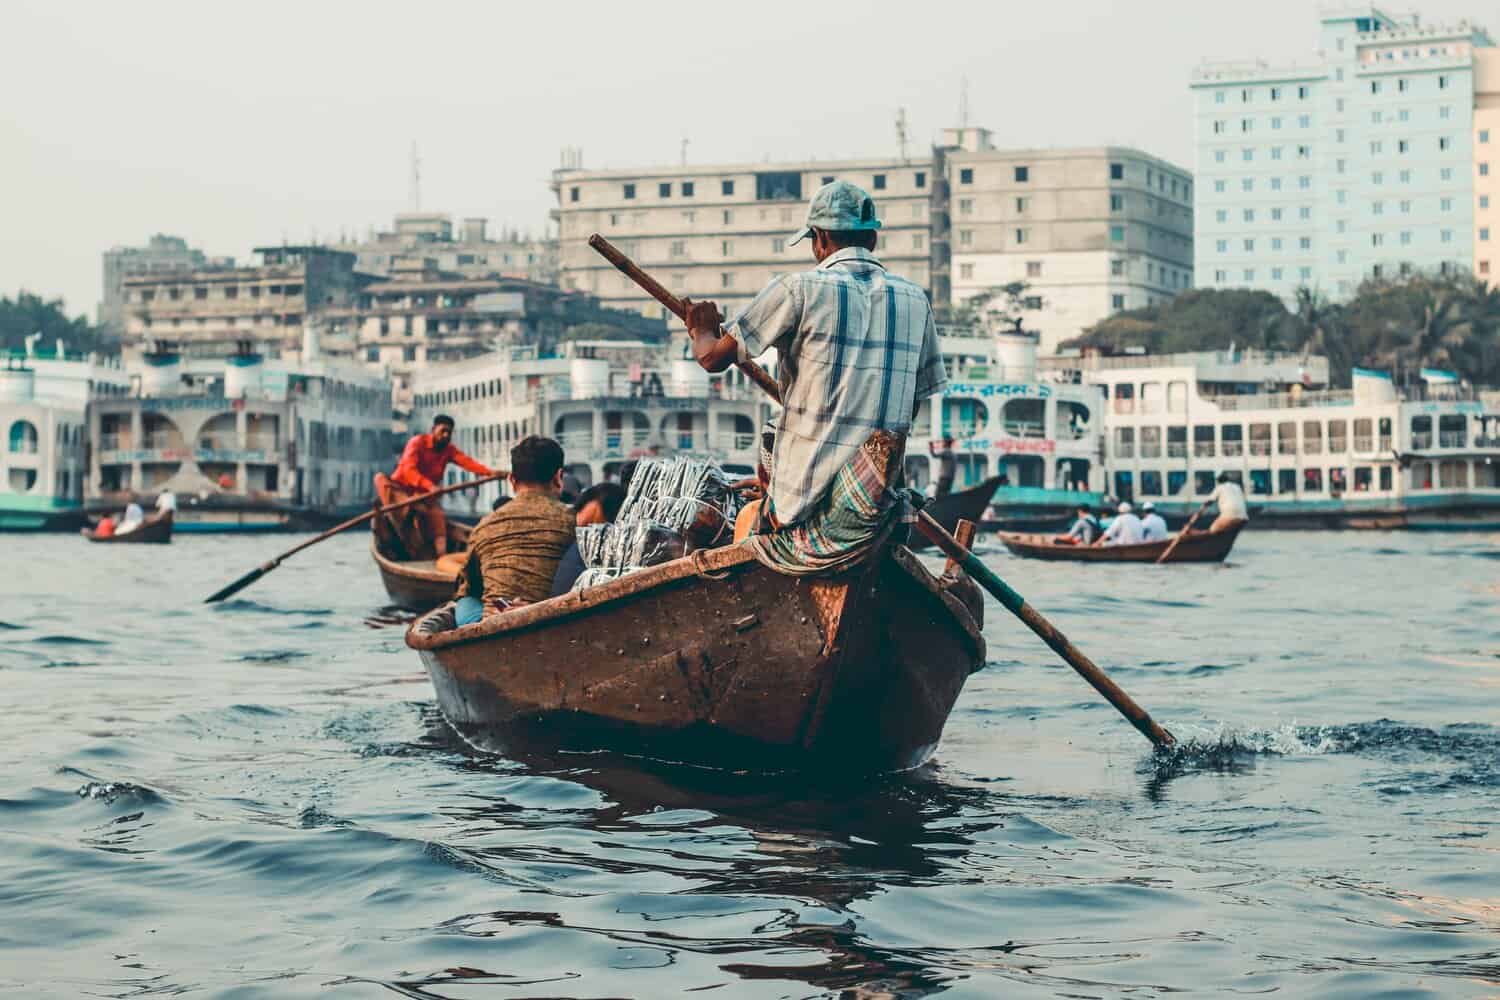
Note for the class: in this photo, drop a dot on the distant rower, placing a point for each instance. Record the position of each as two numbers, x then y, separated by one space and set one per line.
1231 502
420 470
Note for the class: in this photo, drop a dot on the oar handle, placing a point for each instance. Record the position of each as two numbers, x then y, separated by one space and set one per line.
657 291
1177 539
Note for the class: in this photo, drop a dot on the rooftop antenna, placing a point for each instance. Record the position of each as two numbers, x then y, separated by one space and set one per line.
901 132
684 150
415 193
963 102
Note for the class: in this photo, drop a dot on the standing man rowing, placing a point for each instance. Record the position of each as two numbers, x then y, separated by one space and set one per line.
423 462
857 350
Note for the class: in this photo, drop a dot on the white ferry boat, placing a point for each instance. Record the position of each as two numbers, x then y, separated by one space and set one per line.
1424 456
247 444
43 401
605 401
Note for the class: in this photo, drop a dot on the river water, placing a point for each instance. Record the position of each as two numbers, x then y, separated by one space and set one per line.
258 799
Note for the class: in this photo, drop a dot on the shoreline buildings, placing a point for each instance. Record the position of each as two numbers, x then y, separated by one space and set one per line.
161 255
1362 164
1090 231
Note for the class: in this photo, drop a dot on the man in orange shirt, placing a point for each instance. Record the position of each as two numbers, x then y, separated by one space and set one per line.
420 470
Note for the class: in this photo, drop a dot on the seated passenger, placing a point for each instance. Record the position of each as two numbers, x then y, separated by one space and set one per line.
1153 527
105 528
1085 529
515 550
132 520
1125 529
599 504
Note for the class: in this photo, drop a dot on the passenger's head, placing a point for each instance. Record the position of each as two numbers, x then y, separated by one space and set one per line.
840 215
599 504
1124 508
442 430
1147 507
1084 508
536 465
1223 477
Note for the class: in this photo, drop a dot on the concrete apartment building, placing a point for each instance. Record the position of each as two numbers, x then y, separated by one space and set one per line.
1360 164
721 232
1487 164
957 222
430 237
1090 231
208 311
161 255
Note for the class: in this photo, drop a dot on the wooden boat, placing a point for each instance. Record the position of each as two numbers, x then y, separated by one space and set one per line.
154 530
415 584
1198 546
968 505
716 660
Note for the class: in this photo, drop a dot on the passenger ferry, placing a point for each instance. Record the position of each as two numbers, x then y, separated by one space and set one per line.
246 443
1423 456
43 403
605 401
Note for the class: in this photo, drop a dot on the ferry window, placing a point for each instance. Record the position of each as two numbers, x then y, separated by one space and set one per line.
1421 432
1338 439
1260 482
1286 481
1452 430
1177 442
1453 475
1233 438
1486 475
1151 397
1176 480
1312 480
1151 484
1364 439
1150 442
1177 397
1421 475
1286 439
1260 439
1337 481
22 480
1124 485
1385 436
1125 397
1203 441
1203 483
1312 438
1364 478
1124 442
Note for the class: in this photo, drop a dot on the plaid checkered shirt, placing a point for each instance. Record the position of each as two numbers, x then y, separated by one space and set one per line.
856 349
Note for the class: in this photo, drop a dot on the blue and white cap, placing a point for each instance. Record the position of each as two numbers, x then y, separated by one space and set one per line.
839 206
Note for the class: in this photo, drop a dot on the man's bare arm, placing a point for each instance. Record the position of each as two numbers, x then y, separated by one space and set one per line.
713 349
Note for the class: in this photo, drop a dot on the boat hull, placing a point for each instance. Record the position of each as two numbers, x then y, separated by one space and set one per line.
155 530
967 505
716 660
1198 546
416 585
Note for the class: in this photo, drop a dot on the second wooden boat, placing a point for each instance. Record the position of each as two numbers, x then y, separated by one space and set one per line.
717 660
1198 546
967 505
415 584
154 530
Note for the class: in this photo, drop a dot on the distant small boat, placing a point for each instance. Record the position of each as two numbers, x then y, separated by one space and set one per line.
967 505
154 530
415 584
1198 546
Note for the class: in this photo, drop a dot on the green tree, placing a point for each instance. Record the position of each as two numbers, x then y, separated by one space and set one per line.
27 314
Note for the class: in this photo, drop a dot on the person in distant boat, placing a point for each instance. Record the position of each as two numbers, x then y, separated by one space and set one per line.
1125 529
598 504
1085 528
166 501
947 465
515 551
1230 500
420 470
133 519
1153 526
857 350
105 528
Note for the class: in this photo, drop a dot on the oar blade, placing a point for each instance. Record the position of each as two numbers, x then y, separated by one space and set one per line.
236 586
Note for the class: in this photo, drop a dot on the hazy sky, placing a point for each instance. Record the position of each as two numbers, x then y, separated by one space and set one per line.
235 125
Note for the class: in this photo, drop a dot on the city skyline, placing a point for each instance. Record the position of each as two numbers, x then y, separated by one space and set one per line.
161 127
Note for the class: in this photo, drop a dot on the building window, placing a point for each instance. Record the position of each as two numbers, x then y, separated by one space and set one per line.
1247 184
880 182
1444 142
966 237
1484 135
1374 86
1305 243
1304 121
1302 93
1247 124
726 187
1220 277
966 271
918 241
1218 156
1402 145
826 180
1275 93
688 189
728 216
1377 208
1117 268
1249 246
1033 269
920 179
1248 155
1221 215
1443 82
1117 171
727 246
573 194
1218 97
1117 234
1022 175
1117 301
1447 173
726 279
1276 243
966 175
1446 236
1275 183
1022 235
678 248
778 245
1222 246
1447 204
965 206
1484 170
1375 148
1405 177
1402 85
1484 234
1275 215
629 191
1117 203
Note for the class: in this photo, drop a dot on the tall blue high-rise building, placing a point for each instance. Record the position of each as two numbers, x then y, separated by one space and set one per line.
1356 165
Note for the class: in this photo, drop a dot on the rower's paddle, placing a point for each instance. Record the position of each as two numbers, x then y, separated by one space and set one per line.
1012 601
262 570
1183 533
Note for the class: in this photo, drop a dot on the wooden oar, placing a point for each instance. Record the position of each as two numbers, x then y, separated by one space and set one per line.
1012 601
1183 533
262 570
